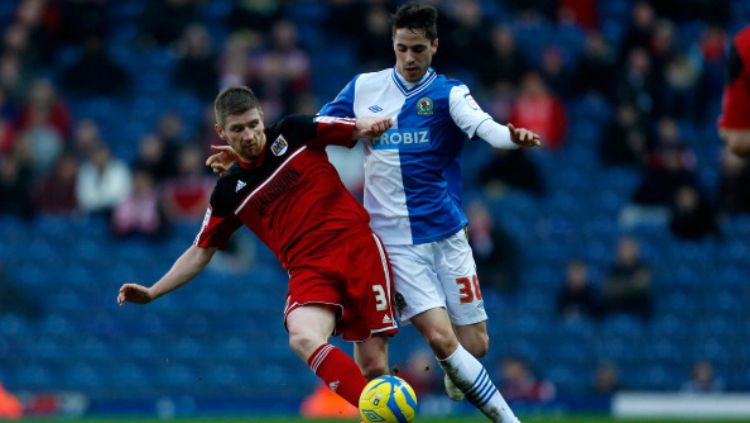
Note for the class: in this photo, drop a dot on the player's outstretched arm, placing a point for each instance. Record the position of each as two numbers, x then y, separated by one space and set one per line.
371 127
189 264
524 137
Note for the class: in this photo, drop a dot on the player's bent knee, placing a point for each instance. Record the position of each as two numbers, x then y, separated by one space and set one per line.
442 343
479 345
304 343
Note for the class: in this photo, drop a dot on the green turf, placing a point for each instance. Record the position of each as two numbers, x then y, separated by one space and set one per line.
534 419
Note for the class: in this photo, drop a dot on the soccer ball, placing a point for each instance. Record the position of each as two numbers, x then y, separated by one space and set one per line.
387 399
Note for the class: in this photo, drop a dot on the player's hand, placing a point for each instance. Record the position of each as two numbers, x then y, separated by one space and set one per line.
523 137
134 293
373 127
222 160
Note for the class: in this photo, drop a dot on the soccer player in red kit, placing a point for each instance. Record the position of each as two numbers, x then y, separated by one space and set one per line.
734 123
284 189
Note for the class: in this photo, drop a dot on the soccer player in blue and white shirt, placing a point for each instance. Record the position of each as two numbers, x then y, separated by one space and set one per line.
413 195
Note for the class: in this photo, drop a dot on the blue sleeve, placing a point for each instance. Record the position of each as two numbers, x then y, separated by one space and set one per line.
343 104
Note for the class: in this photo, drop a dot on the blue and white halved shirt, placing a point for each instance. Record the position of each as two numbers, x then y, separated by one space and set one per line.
413 171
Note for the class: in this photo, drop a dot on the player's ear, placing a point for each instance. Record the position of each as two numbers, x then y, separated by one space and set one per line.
434 46
219 131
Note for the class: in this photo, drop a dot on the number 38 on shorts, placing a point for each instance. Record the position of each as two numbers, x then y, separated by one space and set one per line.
468 288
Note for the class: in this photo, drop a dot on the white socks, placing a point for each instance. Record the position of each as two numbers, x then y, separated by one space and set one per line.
468 374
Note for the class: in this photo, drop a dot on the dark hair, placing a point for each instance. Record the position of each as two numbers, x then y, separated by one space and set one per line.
416 17
234 101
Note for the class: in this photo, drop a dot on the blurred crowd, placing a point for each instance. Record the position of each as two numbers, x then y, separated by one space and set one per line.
55 162
659 86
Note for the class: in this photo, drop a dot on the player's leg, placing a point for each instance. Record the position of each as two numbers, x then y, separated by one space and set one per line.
309 328
369 293
372 356
465 307
474 338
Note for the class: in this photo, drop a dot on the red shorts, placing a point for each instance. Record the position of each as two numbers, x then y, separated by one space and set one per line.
355 278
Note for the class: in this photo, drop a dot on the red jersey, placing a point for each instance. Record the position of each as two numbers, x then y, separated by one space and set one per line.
735 107
293 199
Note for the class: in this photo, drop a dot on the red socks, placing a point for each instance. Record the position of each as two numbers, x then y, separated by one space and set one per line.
338 371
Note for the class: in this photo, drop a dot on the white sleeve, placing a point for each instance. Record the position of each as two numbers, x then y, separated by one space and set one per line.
474 121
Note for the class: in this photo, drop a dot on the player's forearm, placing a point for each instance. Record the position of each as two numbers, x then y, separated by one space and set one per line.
495 134
189 264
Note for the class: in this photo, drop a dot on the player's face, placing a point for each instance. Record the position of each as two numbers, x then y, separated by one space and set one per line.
245 134
414 53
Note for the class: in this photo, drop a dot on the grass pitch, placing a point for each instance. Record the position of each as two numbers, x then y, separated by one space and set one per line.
531 419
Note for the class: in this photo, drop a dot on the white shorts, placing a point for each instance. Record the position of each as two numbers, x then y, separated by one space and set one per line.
437 274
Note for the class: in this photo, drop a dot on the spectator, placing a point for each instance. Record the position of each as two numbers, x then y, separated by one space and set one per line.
86 139
102 182
171 130
496 254
627 288
421 373
95 73
693 218
260 15
670 167
140 212
583 13
734 197
240 50
511 169
15 197
624 140
374 49
283 71
703 380
56 194
153 159
577 298
467 35
196 68
505 65
540 111
520 384
40 144
186 195
636 84
13 79
555 74
679 94
7 135
44 107
641 29
156 29
595 66
606 379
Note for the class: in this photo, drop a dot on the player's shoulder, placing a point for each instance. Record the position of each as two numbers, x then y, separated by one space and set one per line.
223 195
376 76
291 131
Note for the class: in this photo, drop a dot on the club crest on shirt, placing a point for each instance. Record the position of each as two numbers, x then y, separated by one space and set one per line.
424 106
279 146
470 100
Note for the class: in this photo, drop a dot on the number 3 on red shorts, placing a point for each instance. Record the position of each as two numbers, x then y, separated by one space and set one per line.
469 289
380 301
